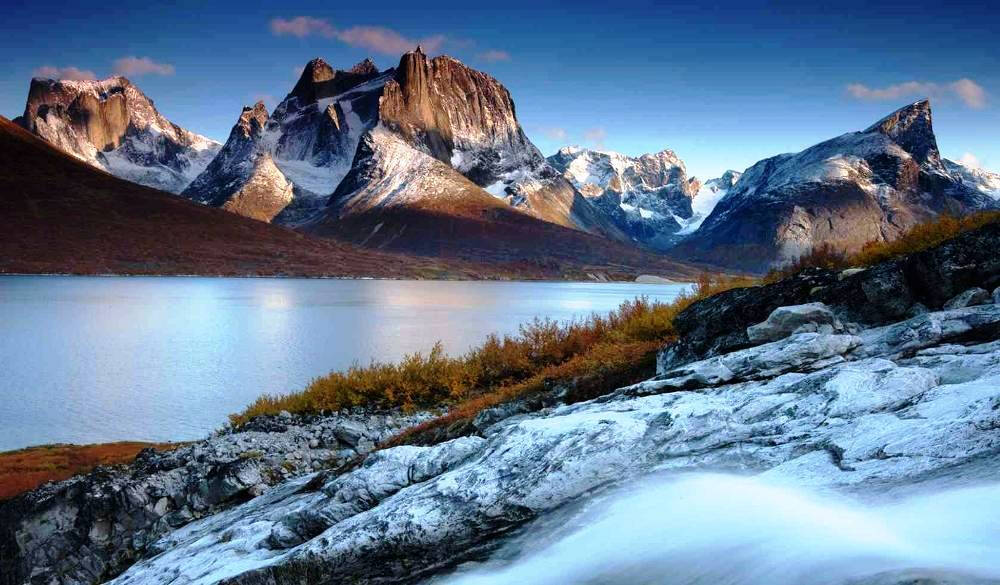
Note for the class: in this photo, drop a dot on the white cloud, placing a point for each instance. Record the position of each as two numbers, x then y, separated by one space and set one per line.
970 160
374 38
595 136
968 91
302 26
388 41
136 66
64 73
494 55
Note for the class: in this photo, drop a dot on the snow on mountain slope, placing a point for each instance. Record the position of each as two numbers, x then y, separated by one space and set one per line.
846 191
986 182
113 126
711 192
649 197
439 107
292 159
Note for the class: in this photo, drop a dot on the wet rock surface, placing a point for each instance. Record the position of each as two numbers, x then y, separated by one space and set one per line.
89 528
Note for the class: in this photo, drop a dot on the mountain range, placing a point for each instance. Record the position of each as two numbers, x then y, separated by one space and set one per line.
428 158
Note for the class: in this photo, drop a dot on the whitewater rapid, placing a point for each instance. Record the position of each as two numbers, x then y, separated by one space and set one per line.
733 530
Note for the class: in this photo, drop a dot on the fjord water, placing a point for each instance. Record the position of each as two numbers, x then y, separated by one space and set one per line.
700 529
86 360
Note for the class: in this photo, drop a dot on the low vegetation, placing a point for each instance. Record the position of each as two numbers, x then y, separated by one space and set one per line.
618 346
918 238
26 469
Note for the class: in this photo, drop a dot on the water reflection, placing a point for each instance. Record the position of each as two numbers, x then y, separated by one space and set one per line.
97 359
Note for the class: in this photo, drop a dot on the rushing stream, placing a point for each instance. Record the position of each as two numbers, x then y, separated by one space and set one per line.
731 530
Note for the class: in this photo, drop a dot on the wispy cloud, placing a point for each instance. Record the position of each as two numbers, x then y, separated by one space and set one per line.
595 136
968 91
302 26
64 73
494 55
385 40
136 66
374 38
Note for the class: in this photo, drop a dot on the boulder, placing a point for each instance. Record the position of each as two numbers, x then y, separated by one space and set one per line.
784 321
973 296
884 293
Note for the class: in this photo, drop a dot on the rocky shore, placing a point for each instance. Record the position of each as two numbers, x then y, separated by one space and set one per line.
873 382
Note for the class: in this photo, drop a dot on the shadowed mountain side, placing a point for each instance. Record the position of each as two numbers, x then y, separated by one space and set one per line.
498 235
400 199
63 216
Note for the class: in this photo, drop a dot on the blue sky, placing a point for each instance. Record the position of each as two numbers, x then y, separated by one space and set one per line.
722 85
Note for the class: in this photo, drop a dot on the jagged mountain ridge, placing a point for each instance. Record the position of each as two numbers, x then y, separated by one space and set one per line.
846 191
113 126
439 107
650 197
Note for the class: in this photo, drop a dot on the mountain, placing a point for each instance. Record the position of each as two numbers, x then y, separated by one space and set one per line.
437 107
648 197
403 199
709 195
61 215
981 180
113 126
846 191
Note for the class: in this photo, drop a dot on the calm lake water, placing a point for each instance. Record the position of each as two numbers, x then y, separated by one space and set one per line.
86 360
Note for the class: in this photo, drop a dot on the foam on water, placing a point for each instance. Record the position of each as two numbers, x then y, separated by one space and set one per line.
723 529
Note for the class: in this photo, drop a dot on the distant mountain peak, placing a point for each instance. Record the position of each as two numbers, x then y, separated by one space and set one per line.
252 119
365 67
911 127
112 125
319 80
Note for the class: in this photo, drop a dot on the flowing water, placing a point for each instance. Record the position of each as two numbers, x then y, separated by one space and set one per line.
88 360
729 530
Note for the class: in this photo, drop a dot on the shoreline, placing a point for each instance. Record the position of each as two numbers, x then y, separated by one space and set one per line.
660 280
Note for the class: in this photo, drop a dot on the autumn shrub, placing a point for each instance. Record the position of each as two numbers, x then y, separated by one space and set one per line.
824 255
921 237
543 352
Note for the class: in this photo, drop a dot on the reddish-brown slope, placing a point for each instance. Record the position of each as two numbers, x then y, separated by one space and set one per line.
61 215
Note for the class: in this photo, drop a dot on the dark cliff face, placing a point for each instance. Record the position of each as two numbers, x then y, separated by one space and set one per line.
319 80
912 129
847 191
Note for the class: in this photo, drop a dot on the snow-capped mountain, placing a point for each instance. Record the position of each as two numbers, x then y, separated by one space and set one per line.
436 107
649 197
290 161
112 125
858 187
982 180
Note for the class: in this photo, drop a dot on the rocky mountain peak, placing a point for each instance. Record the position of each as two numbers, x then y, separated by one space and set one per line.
319 80
111 124
252 120
366 67
911 128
